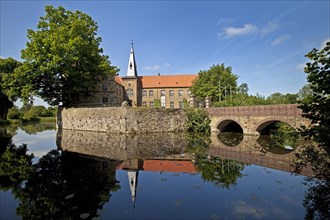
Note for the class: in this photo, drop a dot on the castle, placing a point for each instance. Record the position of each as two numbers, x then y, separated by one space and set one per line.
147 91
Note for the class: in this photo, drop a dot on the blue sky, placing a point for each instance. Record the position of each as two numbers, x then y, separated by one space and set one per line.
263 41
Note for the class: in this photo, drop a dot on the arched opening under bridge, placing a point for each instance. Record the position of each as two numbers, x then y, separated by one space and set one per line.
229 126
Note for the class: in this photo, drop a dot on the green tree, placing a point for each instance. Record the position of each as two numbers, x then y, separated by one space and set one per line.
217 83
316 108
14 113
64 60
305 94
279 98
7 67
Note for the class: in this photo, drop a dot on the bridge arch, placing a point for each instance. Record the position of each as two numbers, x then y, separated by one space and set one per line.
229 125
268 122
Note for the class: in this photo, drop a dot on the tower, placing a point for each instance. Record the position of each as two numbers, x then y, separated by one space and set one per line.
131 69
132 82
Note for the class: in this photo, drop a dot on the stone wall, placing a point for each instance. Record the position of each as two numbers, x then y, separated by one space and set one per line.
121 120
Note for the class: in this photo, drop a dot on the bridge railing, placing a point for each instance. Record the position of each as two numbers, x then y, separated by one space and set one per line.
257 110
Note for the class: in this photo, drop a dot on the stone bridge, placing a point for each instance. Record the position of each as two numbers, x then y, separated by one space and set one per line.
255 119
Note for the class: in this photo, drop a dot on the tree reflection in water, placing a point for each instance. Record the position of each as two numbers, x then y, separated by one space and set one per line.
317 198
61 185
65 185
222 172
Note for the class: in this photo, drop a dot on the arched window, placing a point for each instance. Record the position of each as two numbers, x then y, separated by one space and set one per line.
129 92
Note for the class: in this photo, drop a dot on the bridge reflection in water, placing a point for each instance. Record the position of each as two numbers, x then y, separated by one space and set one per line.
154 148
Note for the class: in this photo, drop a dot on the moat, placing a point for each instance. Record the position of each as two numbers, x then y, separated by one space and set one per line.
91 175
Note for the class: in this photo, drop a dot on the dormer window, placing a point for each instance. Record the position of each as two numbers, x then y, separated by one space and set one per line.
130 65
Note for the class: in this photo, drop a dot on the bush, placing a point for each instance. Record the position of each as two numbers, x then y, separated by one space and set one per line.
197 120
13 113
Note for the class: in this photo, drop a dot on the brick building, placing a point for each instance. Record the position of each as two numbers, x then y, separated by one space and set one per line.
168 90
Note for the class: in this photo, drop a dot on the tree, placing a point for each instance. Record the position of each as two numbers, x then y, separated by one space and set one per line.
316 107
216 83
279 98
7 67
305 94
63 58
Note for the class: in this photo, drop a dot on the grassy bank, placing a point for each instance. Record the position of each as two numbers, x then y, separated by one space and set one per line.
23 121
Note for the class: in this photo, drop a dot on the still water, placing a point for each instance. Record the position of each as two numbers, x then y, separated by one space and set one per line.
88 175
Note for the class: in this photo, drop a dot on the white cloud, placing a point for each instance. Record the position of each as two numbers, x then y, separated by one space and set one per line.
157 67
269 27
167 65
225 21
301 66
154 67
280 39
237 31
323 44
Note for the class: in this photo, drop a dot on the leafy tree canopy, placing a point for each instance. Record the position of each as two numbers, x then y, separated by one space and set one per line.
64 60
7 67
316 107
215 83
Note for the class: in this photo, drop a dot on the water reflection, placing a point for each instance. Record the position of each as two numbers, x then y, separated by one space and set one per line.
81 178
62 185
230 139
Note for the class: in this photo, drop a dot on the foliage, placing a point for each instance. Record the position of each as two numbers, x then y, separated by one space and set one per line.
316 106
317 197
14 113
63 58
32 113
15 166
198 143
215 83
157 103
284 135
222 172
279 98
60 186
7 67
197 120
305 94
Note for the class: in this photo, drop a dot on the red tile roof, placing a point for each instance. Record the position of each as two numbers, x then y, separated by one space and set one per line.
169 166
167 81
118 80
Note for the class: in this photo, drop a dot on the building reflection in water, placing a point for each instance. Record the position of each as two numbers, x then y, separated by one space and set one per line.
171 152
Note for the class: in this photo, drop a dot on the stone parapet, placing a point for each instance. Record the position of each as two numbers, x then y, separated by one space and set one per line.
122 120
257 110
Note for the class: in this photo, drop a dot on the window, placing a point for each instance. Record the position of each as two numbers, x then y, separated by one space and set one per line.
171 93
162 102
162 92
171 104
129 92
180 92
151 93
144 104
104 87
105 100
144 93
189 93
151 104
180 104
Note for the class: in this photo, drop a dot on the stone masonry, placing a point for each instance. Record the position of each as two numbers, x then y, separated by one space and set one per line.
122 120
253 119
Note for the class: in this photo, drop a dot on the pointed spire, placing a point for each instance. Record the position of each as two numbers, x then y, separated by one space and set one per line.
132 180
131 69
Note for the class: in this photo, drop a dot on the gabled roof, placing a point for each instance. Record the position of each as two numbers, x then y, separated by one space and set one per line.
118 80
167 81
